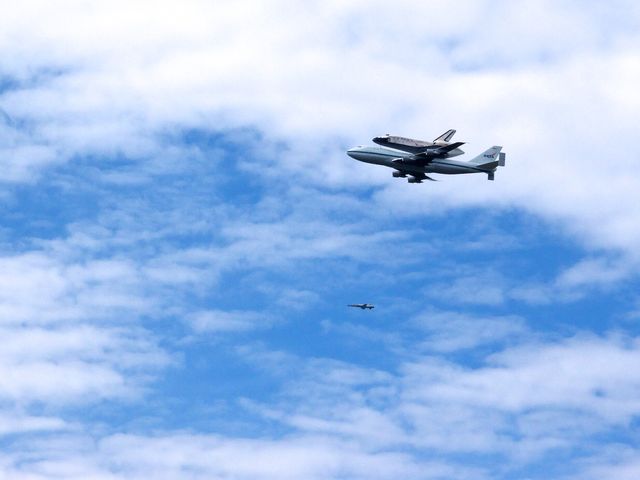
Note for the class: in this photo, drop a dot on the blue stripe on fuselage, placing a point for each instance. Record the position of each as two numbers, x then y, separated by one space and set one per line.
389 155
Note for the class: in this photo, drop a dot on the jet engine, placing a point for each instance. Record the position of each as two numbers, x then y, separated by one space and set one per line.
414 180
397 174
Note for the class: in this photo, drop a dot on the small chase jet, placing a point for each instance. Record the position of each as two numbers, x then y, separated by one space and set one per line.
363 306
415 158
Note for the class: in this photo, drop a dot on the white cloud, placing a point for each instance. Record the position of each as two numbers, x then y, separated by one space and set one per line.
297 299
38 288
182 455
485 288
521 403
452 331
74 363
228 321
621 463
556 84
595 271
16 422
72 307
71 329
512 379
290 458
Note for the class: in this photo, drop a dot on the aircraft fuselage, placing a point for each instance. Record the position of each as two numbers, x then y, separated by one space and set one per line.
386 156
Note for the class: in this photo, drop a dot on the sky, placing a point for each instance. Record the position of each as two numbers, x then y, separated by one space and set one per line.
181 231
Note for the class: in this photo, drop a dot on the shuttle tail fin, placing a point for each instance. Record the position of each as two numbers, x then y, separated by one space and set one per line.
446 136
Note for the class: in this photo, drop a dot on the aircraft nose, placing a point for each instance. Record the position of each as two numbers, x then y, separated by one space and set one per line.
352 152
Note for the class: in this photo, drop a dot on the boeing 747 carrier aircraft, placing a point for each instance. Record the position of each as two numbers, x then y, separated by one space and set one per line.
409 158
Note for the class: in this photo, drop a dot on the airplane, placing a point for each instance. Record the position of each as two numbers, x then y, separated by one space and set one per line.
417 165
362 305
416 146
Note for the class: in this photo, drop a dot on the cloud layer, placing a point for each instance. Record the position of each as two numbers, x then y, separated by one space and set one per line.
180 222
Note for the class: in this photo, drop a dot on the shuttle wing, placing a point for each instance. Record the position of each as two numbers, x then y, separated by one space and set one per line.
424 158
445 148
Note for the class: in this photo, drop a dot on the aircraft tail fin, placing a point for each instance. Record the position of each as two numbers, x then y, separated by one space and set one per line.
446 136
489 159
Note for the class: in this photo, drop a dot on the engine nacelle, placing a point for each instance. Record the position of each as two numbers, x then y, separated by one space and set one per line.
414 180
397 174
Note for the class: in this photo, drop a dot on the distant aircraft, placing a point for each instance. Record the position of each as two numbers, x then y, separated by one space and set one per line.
362 305
431 159
440 146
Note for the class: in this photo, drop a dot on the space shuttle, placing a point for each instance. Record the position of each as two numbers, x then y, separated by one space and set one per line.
439 147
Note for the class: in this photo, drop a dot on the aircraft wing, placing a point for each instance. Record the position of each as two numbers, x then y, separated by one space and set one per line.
417 176
422 176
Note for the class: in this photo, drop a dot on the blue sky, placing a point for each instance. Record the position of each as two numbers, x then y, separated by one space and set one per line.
181 231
